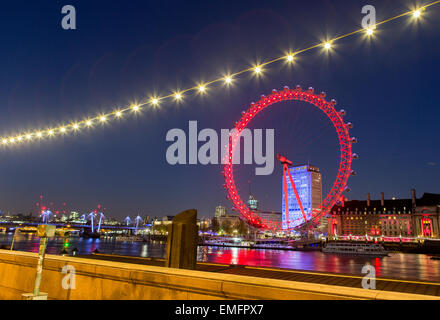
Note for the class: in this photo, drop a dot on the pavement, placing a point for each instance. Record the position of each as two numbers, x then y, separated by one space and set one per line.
345 280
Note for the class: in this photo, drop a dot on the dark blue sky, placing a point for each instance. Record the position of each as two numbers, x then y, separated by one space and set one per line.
124 51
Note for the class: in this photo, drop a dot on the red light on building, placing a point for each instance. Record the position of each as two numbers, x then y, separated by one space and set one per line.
426 227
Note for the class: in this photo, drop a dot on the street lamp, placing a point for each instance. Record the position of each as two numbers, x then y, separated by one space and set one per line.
44 232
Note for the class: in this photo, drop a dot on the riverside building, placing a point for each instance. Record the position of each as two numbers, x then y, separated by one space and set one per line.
395 218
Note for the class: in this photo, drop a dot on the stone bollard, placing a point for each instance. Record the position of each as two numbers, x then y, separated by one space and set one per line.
182 241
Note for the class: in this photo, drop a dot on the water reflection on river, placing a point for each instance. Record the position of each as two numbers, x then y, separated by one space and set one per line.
396 265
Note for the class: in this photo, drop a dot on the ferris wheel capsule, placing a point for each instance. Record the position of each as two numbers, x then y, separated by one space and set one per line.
274 90
355 156
347 189
298 87
343 113
354 140
323 94
286 88
333 102
311 90
353 173
349 125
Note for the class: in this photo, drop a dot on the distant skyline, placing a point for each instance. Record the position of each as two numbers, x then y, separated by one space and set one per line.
123 52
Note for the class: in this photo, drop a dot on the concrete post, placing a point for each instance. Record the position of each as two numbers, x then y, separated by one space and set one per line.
182 241
41 254
44 232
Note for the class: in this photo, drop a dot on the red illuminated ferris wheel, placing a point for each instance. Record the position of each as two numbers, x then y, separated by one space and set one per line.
344 171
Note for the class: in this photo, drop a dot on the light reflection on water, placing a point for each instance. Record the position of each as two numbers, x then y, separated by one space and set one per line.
86 246
396 265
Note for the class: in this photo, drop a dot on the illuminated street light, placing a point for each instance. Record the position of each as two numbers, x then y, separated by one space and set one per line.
257 70
155 101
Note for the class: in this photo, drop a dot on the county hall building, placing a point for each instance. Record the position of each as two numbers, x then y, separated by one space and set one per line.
406 218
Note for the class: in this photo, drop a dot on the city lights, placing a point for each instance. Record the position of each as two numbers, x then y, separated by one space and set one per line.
327 45
228 80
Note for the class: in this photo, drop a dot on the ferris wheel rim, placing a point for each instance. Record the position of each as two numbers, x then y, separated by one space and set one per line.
345 162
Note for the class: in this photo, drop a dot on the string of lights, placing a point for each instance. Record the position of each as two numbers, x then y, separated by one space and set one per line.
227 80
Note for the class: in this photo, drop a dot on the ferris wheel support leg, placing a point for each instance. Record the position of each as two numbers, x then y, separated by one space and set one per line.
296 194
286 198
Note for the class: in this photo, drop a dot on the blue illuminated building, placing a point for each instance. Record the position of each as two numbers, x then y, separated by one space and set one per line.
308 183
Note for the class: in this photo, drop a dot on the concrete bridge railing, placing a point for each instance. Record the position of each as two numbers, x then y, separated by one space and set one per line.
102 280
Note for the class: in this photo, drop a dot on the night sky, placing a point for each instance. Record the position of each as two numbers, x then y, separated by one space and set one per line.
124 51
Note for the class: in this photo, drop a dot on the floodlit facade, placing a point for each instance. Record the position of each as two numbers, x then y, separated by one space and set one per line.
308 183
220 211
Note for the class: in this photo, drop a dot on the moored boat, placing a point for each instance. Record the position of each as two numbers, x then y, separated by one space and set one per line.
368 249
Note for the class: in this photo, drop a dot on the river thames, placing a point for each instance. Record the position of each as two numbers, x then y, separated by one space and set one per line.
396 265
